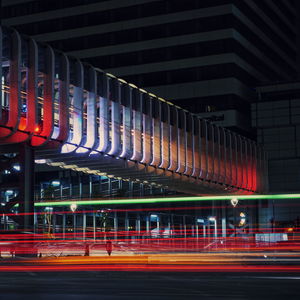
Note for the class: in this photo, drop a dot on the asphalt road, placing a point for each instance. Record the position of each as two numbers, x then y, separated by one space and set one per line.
148 285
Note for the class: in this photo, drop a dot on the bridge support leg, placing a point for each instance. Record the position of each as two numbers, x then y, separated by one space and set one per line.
26 191
115 225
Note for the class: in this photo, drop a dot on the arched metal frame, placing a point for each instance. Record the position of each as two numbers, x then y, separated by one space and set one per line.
80 117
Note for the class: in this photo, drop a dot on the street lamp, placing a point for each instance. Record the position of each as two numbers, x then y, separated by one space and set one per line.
73 208
234 202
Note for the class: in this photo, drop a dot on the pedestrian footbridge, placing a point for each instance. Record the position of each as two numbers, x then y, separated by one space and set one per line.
78 117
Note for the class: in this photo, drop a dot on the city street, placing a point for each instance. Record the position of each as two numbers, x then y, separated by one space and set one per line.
148 285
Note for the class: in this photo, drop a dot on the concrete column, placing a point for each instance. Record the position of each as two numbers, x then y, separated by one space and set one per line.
41 191
53 223
147 224
64 226
35 222
94 225
74 225
84 226
141 189
115 225
169 226
223 227
61 189
26 191
184 227
90 186
109 187
100 185
80 186
71 187
158 223
138 224
130 189
126 222
215 228
172 225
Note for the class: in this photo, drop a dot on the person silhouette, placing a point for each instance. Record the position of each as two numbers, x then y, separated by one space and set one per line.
109 247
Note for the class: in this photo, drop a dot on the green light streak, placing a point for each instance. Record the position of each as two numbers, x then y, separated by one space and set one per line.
167 200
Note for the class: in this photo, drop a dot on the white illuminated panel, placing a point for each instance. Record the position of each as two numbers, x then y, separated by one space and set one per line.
76 133
126 107
196 146
203 149
115 134
147 130
165 136
137 127
156 133
174 139
181 142
189 153
91 129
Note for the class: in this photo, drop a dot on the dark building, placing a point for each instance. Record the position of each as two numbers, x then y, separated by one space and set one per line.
205 56
276 115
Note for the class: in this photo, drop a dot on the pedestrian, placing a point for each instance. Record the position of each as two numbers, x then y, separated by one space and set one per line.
109 247
87 250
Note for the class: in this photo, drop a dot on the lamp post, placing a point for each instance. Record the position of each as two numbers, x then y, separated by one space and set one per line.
73 208
234 202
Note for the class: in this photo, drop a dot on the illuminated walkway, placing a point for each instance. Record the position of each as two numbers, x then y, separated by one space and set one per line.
81 118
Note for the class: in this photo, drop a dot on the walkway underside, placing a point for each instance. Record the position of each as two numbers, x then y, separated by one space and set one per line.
105 165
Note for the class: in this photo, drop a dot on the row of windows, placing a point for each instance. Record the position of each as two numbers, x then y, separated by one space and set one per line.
159 31
264 5
38 6
265 48
146 33
185 51
260 23
281 4
117 15
190 75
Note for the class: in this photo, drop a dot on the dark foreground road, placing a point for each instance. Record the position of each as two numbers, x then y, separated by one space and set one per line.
148 285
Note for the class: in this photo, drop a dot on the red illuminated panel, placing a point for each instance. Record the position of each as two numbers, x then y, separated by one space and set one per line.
27 123
44 132
14 92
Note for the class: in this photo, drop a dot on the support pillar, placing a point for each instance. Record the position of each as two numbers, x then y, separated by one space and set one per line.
184 227
80 186
223 227
130 189
26 191
115 225
64 226
109 187
147 224
54 223
84 226
74 225
100 185
94 225
138 225
90 186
